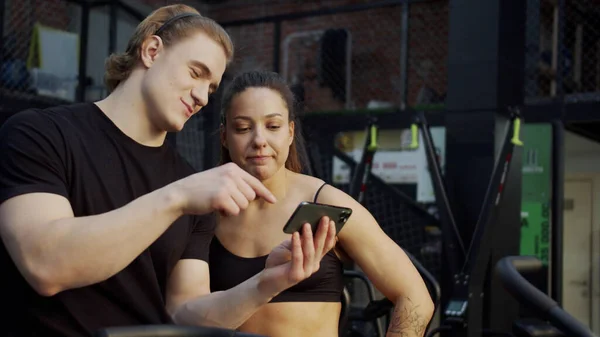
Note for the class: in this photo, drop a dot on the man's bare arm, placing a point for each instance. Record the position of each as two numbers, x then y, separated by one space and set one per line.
56 251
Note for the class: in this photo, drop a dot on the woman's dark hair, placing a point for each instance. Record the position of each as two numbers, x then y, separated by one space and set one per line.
273 81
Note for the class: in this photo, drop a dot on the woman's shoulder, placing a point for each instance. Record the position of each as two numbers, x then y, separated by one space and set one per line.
306 183
312 187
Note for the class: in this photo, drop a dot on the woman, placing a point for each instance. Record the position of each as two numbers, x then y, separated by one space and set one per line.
258 134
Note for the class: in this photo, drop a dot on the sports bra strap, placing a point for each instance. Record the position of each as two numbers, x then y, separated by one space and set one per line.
318 191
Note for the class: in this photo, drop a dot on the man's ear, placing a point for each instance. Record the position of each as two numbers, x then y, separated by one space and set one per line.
150 50
292 132
223 135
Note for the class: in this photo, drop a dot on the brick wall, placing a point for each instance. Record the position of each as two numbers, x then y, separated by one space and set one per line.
20 17
376 35
428 51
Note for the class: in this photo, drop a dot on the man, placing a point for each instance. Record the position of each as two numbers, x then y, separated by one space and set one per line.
103 224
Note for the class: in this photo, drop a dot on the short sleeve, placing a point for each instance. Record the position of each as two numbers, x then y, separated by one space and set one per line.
32 153
202 234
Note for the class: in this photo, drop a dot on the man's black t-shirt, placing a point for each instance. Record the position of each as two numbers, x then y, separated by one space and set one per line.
77 152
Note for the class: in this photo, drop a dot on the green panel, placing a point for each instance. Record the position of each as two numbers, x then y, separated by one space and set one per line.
537 162
535 230
536 190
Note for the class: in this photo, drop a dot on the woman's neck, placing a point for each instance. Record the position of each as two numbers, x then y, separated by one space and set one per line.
125 107
278 185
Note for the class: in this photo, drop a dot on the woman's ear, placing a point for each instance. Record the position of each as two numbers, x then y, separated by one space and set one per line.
223 134
150 50
292 131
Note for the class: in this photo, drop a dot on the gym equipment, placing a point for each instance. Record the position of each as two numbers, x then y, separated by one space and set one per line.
170 330
376 308
454 247
464 311
373 311
358 184
510 269
399 215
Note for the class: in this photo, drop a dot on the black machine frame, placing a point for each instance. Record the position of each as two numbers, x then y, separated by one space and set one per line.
357 189
464 313
470 268
512 271
394 119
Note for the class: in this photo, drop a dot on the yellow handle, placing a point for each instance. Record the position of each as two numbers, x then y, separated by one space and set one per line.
516 132
373 142
414 132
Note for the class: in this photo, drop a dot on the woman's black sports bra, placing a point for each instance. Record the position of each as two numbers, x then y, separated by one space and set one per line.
227 270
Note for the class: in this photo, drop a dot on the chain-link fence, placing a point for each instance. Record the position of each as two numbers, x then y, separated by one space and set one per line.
39 49
427 54
346 60
381 54
53 51
563 49
354 57
346 57
340 56
41 56
405 221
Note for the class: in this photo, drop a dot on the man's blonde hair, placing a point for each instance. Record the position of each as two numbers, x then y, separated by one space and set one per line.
119 66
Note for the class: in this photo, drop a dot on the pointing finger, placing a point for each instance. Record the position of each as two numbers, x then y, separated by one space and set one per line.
258 187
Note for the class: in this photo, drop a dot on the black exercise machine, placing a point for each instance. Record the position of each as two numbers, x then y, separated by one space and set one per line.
463 314
360 176
452 242
510 270
376 309
464 310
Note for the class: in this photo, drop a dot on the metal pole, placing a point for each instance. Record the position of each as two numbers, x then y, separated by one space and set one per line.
83 44
348 70
276 45
2 5
131 11
560 59
532 47
321 12
558 171
404 55
558 181
112 36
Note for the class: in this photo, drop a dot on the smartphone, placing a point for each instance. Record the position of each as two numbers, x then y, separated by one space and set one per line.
310 212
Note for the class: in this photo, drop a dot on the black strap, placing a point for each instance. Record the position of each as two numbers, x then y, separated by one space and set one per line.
174 18
318 191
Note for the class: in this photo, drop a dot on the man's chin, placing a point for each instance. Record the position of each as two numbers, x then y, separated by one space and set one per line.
176 126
